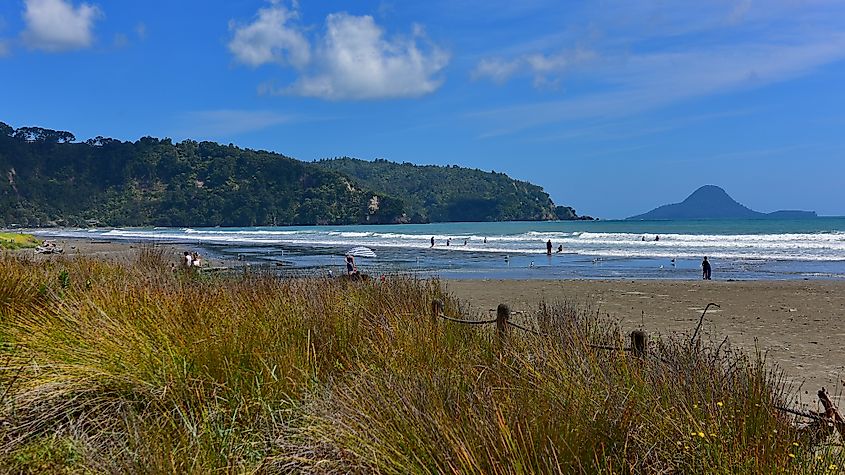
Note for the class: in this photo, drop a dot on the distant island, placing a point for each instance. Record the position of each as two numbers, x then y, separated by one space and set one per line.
712 202
50 179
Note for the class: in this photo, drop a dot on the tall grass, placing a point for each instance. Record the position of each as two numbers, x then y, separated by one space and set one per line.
144 369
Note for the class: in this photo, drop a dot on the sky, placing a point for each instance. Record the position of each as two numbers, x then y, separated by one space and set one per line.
613 107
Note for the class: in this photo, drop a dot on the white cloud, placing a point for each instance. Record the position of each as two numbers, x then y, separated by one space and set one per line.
545 70
496 69
4 48
270 39
56 25
351 60
637 83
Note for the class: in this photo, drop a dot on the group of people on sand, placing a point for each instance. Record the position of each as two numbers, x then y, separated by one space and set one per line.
191 259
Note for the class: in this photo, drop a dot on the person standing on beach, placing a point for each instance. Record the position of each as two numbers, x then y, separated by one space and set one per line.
350 264
432 241
549 247
705 269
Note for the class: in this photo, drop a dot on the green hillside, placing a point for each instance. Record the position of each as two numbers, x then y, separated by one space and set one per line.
49 179
442 193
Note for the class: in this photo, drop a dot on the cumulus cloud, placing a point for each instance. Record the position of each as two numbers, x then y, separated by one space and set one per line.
545 69
271 38
351 59
57 25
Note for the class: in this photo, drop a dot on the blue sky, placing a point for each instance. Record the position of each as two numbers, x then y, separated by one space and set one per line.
614 107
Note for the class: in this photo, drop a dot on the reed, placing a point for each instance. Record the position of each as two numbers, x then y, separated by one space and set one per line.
147 369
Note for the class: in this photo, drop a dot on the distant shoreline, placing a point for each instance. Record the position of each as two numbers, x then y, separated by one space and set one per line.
738 250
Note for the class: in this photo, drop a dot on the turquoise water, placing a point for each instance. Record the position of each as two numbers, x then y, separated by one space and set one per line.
738 249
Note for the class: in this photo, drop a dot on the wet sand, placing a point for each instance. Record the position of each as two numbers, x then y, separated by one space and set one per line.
801 324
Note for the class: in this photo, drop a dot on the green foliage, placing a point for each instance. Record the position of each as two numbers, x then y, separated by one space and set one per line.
49 180
142 369
435 193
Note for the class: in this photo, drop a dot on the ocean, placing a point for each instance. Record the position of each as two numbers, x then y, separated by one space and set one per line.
737 249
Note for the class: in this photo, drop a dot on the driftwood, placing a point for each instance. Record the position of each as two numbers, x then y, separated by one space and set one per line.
823 423
831 413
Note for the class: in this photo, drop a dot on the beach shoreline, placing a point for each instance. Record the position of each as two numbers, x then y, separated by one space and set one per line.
797 324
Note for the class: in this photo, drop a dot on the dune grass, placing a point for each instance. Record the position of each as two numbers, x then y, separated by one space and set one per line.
111 369
12 241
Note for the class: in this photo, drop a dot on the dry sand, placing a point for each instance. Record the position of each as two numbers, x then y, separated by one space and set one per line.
801 324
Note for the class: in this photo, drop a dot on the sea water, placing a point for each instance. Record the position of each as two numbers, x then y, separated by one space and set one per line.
737 249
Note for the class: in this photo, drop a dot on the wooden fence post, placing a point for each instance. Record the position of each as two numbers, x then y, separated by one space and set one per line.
503 314
436 310
639 343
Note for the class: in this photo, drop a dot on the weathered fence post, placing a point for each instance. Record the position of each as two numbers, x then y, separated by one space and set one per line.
436 310
639 343
503 314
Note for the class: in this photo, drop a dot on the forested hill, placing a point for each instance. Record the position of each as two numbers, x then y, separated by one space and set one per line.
50 179
442 193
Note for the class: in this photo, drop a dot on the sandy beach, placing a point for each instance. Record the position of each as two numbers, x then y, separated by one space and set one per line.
126 251
801 324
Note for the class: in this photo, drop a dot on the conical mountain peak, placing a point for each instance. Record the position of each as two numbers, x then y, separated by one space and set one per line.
713 202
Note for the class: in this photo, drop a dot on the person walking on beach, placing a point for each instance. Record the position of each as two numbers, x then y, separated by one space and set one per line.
549 247
705 269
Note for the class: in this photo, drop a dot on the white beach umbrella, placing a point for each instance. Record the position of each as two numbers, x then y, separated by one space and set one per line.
361 251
